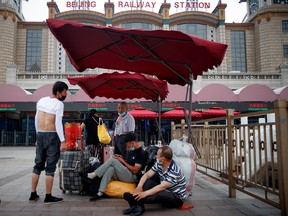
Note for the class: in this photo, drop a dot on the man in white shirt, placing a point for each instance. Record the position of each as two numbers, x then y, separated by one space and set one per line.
50 140
125 123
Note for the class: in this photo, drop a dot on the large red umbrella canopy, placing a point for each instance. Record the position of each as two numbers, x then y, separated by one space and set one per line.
122 86
142 113
178 113
170 55
216 112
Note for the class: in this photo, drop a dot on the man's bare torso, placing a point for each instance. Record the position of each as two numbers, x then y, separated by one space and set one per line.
46 121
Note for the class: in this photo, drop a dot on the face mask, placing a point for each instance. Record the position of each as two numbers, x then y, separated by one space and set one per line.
158 161
122 114
131 149
62 98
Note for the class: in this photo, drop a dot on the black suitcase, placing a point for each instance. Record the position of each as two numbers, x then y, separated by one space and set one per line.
70 163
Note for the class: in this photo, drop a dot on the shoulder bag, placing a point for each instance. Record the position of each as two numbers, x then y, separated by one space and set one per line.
103 135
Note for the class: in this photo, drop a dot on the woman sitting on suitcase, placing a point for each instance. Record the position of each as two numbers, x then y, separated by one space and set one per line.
117 168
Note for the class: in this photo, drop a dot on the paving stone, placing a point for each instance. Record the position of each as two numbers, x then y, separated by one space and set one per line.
208 196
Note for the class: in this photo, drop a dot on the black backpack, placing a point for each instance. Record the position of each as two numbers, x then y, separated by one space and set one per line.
151 152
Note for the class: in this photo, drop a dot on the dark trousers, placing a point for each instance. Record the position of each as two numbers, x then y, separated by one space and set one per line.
165 197
120 145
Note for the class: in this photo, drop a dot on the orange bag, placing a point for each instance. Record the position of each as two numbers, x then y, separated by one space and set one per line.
117 188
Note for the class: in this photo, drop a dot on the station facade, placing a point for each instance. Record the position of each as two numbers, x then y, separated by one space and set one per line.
30 56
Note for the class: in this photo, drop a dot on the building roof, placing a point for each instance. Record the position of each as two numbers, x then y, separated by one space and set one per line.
216 92
282 92
13 93
212 92
256 92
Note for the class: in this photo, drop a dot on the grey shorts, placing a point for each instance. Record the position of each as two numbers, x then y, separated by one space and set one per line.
47 153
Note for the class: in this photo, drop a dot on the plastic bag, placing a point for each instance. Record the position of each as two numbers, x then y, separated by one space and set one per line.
103 135
118 188
183 155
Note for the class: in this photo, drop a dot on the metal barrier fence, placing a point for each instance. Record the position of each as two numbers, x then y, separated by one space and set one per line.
17 138
249 157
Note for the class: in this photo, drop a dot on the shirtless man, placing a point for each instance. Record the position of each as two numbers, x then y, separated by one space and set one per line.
50 140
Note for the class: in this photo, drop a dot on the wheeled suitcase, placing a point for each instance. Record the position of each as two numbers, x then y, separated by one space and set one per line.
70 163
108 152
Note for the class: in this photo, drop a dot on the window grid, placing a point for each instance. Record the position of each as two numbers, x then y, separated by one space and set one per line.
33 50
195 29
285 51
284 25
238 51
137 25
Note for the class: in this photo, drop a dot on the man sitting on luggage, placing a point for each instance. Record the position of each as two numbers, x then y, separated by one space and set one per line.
117 168
171 191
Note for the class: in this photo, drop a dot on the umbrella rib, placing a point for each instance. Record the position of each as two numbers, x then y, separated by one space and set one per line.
108 82
158 59
107 48
96 87
147 50
143 90
129 58
116 44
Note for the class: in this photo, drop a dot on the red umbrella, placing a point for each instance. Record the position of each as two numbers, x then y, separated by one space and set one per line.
170 55
178 113
122 85
142 113
216 112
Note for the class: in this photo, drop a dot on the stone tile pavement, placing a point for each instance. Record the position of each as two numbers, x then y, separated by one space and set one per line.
209 197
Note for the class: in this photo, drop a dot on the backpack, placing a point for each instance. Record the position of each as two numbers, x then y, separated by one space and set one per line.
151 152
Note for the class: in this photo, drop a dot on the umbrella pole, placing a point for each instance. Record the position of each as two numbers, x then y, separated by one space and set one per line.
189 119
159 118
189 122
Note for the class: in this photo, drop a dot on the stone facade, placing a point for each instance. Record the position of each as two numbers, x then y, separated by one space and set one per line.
8 43
263 35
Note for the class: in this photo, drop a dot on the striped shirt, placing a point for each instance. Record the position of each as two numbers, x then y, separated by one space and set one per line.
174 176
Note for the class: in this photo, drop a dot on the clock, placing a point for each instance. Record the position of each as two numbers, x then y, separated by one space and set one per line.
254 6
280 1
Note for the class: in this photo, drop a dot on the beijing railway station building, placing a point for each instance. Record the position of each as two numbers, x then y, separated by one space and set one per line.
253 74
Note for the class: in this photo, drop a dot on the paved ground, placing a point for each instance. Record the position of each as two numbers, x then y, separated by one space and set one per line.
208 196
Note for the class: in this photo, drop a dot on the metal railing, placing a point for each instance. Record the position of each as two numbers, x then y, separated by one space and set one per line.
247 156
17 138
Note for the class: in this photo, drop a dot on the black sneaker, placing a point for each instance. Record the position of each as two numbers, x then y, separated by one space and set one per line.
84 176
137 210
126 211
33 198
52 199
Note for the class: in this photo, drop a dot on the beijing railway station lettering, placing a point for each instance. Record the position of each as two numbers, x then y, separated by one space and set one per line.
81 4
140 4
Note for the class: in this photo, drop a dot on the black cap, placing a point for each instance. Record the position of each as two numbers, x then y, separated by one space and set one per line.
130 137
